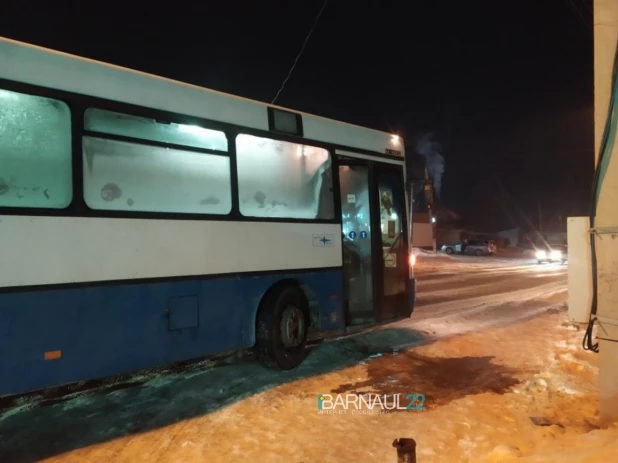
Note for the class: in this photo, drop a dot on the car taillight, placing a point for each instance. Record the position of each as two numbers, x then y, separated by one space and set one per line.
412 259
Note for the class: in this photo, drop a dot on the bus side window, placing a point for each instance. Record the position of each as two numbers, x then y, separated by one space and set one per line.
134 175
283 180
35 152
326 198
142 128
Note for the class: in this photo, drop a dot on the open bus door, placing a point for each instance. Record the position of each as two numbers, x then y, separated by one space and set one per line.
375 241
393 238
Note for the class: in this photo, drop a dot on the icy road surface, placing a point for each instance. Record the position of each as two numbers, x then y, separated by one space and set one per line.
460 293
481 388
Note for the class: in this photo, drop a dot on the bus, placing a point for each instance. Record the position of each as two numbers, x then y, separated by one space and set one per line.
146 222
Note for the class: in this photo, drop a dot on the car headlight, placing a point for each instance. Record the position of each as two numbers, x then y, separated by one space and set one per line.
541 254
556 255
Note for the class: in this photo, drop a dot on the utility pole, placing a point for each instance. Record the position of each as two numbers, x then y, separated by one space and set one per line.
429 199
540 225
432 222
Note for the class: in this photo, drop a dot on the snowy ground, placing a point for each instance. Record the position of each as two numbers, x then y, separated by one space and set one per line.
503 373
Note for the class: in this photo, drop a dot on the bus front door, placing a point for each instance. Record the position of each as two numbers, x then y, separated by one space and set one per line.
358 243
394 259
375 249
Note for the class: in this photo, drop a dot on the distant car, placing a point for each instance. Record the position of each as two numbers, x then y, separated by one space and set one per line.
552 254
474 247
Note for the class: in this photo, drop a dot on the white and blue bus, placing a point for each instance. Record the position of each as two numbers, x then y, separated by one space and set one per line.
145 222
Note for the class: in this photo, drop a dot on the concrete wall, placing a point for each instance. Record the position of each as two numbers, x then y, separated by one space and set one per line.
449 235
512 235
605 40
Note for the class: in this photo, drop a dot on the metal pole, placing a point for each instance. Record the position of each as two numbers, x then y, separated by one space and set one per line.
434 238
428 187
410 215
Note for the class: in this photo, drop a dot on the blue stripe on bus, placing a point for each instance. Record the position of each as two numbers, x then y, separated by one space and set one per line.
116 329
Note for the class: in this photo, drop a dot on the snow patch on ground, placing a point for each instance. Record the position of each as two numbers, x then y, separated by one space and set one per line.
425 253
522 393
17 410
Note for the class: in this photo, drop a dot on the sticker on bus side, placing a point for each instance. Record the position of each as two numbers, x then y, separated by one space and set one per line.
390 260
320 241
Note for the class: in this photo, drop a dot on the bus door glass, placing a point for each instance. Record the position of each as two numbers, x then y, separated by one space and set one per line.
358 252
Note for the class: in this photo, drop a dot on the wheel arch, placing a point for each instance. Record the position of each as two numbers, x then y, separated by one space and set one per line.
310 299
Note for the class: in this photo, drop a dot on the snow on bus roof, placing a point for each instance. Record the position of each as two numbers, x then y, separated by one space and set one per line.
31 64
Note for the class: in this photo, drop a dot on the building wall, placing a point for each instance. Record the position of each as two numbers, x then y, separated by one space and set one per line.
422 235
512 236
449 235
420 217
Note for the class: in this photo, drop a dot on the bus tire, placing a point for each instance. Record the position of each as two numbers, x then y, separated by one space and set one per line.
282 328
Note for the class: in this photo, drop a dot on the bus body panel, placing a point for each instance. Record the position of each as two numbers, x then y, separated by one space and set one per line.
59 250
91 332
34 65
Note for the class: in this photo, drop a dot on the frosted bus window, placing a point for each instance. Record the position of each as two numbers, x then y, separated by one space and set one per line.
35 152
124 176
114 123
283 180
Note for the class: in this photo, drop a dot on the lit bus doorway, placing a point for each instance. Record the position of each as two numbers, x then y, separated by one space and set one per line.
375 244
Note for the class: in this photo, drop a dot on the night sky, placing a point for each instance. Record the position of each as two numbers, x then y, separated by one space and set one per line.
506 86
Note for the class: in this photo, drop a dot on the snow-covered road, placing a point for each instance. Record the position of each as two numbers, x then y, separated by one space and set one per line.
457 294
219 414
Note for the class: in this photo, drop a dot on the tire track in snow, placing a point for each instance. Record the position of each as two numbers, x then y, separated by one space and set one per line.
529 296
479 283
508 313
457 306
439 274
445 286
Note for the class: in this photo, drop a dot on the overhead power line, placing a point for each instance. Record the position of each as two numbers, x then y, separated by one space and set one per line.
315 22
582 17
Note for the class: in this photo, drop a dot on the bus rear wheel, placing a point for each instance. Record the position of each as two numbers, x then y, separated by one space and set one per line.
282 328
